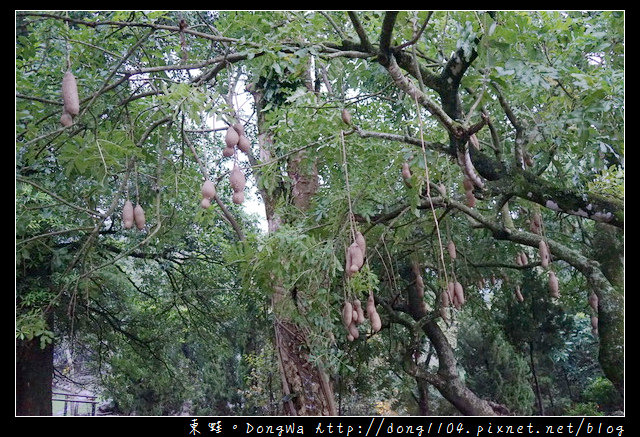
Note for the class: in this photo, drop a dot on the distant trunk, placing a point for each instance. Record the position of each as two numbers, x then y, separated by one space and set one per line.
608 251
34 377
306 387
535 382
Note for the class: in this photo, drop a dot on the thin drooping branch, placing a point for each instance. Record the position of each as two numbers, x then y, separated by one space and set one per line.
39 187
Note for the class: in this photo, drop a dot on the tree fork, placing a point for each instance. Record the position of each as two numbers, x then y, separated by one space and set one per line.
446 380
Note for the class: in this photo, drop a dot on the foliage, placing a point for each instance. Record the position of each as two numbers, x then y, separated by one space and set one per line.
190 295
495 369
600 392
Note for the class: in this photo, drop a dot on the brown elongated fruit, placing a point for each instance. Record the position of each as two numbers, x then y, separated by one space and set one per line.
372 313
357 305
353 330
350 337
536 223
238 197
357 258
553 284
347 314
231 137
467 184
518 259
459 293
208 190
415 267
406 171
447 295
537 219
524 259
519 294
205 203
371 305
533 227
544 253
362 243
228 152
127 215
528 159
70 94
244 144
66 119
347 262
451 247
237 179
346 116
593 301
455 302
138 216
471 199
376 323
239 128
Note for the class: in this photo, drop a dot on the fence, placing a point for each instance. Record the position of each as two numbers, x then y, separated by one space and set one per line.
74 402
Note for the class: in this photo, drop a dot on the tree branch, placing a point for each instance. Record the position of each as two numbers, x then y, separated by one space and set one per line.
453 127
362 35
385 37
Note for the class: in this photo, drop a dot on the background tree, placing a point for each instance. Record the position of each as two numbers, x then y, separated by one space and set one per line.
509 126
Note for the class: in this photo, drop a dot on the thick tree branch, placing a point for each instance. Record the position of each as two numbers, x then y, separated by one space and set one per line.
452 126
529 186
407 139
385 37
362 35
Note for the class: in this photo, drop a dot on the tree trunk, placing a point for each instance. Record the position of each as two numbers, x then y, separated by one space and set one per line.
34 377
423 397
446 381
306 387
608 251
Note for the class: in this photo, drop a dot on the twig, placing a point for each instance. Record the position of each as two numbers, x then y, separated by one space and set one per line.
433 211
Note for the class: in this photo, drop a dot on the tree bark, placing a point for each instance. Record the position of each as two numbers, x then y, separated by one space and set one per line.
423 397
34 378
608 252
